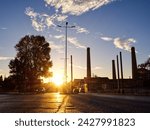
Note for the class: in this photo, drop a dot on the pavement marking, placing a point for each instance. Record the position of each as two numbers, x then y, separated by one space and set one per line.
62 107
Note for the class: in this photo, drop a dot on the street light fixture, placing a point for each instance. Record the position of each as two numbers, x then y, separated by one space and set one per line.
66 27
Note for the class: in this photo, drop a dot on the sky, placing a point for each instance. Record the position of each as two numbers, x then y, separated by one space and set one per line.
106 26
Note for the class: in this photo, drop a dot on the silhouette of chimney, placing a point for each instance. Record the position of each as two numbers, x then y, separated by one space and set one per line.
113 70
88 63
118 72
134 63
121 66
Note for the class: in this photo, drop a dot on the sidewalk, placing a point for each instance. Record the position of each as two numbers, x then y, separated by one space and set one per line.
127 97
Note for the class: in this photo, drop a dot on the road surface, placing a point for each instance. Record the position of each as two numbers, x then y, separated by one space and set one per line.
73 103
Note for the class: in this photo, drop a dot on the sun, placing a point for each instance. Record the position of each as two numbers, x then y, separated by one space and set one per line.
57 79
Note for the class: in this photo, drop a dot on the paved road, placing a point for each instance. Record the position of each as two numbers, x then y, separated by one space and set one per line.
60 103
110 104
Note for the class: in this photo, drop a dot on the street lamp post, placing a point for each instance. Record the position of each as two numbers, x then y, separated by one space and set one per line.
65 68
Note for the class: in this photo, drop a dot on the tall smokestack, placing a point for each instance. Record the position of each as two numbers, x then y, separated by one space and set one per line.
88 63
134 63
118 72
113 70
121 66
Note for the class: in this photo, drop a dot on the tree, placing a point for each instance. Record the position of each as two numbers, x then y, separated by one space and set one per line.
1 80
32 61
145 65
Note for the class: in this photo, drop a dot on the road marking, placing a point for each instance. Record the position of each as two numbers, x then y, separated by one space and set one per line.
62 107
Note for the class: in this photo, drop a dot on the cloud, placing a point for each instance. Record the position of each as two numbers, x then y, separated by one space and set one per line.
107 38
37 25
2 58
58 48
59 37
81 30
75 42
63 8
42 21
36 19
79 67
121 43
61 17
3 28
97 68
72 40
76 7
30 12
124 44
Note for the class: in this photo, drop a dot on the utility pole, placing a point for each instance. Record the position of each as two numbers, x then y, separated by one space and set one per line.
71 69
71 73
65 68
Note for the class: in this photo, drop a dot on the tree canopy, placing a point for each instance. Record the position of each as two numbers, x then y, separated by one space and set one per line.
32 61
145 65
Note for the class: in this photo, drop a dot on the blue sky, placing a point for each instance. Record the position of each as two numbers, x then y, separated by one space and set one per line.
106 26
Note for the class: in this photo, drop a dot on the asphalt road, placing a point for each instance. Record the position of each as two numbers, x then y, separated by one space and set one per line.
74 103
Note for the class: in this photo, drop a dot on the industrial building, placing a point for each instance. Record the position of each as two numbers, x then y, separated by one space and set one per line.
138 84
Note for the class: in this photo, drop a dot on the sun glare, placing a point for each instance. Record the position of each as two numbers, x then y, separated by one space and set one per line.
45 80
57 79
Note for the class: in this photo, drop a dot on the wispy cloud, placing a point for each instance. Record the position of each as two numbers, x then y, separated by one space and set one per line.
81 30
107 38
79 67
121 43
42 21
37 24
61 18
72 40
2 58
76 43
76 7
62 37
97 68
58 48
63 8
3 28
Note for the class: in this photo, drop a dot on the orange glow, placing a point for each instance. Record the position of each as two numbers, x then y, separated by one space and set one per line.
57 79
45 80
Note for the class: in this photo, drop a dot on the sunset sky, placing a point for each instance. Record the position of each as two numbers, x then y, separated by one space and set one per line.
106 26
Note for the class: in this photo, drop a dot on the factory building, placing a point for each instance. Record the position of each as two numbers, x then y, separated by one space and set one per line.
139 81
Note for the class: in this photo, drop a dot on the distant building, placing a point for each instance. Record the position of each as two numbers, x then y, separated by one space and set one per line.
139 83
96 84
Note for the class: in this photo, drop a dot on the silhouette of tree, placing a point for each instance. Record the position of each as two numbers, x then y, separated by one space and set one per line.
1 80
145 65
8 84
144 72
31 62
